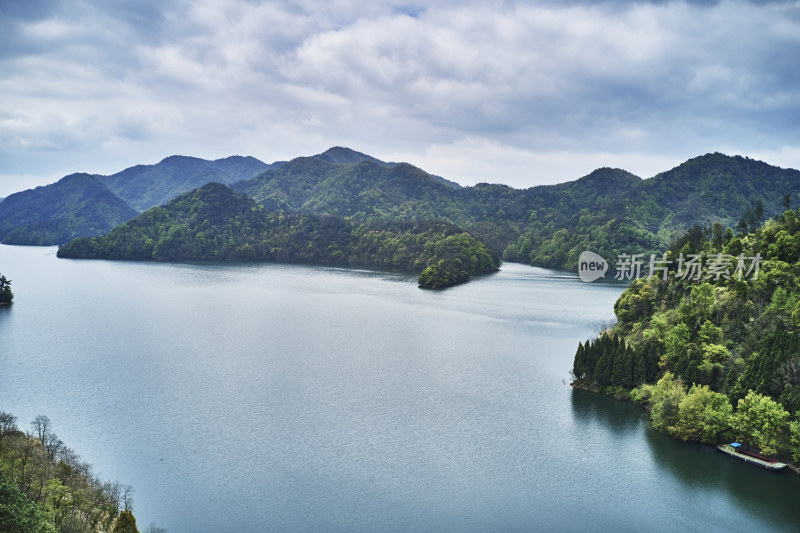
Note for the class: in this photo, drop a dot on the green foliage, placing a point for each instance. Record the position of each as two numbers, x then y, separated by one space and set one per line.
608 362
6 296
44 486
18 514
699 415
216 223
794 435
609 211
703 415
76 205
126 523
665 401
146 186
719 335
761 421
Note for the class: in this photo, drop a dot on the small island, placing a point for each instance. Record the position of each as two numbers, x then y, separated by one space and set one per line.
6 296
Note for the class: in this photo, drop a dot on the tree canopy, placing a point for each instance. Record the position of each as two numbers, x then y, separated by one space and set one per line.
732 331
215 223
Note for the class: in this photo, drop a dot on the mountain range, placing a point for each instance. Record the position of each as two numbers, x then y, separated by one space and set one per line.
608 211
82 205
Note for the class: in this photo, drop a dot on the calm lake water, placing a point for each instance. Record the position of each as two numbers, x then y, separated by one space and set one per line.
247 398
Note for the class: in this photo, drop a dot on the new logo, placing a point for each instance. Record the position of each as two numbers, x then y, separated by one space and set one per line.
591 266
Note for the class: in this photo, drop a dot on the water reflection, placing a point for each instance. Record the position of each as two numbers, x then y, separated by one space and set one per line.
701 468
589 408
5 312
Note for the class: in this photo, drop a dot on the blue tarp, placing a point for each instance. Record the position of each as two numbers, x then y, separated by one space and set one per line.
736 445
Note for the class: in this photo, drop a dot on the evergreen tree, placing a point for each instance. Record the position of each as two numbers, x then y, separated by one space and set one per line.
591 354
579 363
126 523
5 290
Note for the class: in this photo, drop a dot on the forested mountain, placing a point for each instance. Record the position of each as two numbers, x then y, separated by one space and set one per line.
83 205
609 211
217 223
146 186
79 204
724 336
366 190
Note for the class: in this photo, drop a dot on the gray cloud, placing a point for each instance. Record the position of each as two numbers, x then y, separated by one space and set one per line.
540 91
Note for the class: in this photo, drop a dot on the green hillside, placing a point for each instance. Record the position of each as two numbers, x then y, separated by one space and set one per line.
76 205
83 205
217 223
609 211
146 186
721 340
45 487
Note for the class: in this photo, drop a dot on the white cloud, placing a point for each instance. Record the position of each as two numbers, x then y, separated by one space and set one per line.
508 91
523 168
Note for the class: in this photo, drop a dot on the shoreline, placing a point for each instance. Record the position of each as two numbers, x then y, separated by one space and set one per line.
626 398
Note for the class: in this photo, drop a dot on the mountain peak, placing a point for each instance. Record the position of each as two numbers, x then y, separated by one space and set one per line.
181 159
609 179
339 155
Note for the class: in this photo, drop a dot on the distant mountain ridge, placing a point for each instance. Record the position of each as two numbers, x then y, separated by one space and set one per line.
146 186
608 211
76 206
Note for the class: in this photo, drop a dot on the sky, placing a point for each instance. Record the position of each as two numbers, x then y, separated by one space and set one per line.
516 92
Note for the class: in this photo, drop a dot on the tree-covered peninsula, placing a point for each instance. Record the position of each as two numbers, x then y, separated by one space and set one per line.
45 487
218 224
711 343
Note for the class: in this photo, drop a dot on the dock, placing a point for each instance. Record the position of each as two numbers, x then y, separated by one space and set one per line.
768 465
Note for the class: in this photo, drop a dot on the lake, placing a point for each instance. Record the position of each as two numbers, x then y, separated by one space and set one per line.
263 397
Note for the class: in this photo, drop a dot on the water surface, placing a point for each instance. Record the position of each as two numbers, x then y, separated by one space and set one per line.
291 398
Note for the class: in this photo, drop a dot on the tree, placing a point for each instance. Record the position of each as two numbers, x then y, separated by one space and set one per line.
665 400
8 424
676 342
41 425
126 523
762 421
703 415
5 290
579 363
794 436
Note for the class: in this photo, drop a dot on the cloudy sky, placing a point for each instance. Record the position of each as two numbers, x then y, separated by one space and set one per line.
515 92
